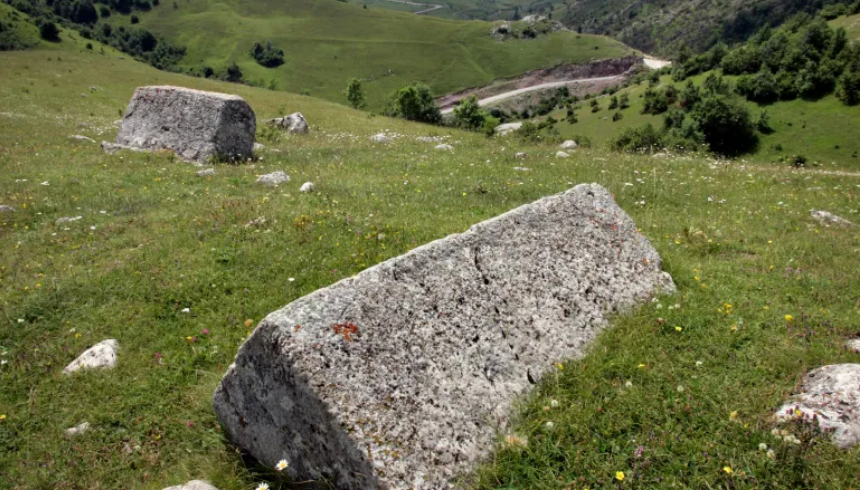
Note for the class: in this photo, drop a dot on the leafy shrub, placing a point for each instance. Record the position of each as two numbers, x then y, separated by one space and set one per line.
642 139
848 88
613 103
624 102
415 103
726 124
469 115
617 117
135 19
10 39
49 31
267 55
355 94
762 87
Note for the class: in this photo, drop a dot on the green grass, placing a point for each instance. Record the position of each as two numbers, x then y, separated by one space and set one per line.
851 23
824 130
155 238
326 42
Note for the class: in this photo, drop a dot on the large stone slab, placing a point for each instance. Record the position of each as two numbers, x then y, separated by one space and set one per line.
829 396
401 376
197 125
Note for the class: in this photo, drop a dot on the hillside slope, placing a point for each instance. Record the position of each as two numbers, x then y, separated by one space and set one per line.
178 268
325 42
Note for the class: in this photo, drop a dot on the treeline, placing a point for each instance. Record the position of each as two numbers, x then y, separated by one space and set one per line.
11 39
83 15
805 58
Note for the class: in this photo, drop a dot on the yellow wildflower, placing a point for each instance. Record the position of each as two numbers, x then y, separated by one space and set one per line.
619 475
789 318
727 470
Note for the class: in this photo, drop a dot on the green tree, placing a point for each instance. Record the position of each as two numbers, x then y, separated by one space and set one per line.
415 103
726 124
469 115
624 102
355 94
613 103
848 88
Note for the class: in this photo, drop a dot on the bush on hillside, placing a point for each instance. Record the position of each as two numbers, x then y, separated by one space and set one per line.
415 103
10 39
641 139
761 87
355 94
135 19
469 115
726 124
232 73
49 31
267 55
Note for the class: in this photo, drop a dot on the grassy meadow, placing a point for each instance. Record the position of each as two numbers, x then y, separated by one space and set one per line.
326 42
179 268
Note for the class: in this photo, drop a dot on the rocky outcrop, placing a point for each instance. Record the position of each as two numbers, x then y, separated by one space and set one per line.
830 397
400 377
294 123
194 124
101 355
508 128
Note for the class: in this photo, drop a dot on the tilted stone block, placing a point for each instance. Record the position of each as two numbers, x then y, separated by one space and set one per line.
401 376
195 124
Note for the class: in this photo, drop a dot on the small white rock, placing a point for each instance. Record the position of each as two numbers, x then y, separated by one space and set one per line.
101 355
259 147
561 154
66 219
444 147
568 145
380 138
81 138
853 345
206 172
6 209
193 485
273 179
830 219
307 187
521 154
77 430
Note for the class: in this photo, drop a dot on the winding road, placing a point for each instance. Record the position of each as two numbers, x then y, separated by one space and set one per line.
433 6
514 93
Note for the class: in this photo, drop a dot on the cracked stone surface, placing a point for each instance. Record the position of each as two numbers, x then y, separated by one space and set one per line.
196 125
829 395
273 179
294 123
401 377
101 355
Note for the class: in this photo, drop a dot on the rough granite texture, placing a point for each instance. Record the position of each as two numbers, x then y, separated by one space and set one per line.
830 395
101 355
401 376
195 124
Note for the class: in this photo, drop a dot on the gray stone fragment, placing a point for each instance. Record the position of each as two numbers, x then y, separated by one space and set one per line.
561 154
296 123
522 169
521 154
380 138
428 139
101 355
77 430
259 147
505 129
853 345
193 485
830 219
6 209
830 394
568 145
66 219
412 365
444 147
307 187
196 125
273 179
80 137
206 172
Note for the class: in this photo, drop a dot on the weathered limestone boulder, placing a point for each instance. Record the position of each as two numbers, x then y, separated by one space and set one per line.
508 128
828 218
294 123
196 125
101 355
830 396
273 179
398 377
193 485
